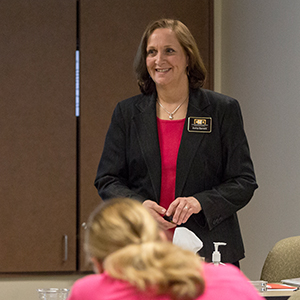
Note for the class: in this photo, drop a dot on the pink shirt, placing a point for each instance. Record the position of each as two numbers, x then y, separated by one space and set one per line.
169 134
221 282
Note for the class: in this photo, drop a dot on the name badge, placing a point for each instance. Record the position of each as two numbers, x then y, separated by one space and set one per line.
200 124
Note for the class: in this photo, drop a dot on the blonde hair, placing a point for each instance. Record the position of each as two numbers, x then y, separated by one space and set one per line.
126 239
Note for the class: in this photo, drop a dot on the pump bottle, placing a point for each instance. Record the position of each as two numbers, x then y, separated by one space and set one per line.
216 256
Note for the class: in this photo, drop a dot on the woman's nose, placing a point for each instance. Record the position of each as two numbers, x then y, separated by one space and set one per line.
160 57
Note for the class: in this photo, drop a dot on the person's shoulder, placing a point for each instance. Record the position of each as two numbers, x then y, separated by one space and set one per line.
86 287
134 100
217 98
89 280
134 105
217 103
227 280
226 273
220 270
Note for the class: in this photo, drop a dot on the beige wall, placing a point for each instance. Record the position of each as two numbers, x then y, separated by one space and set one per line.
217 44
260 66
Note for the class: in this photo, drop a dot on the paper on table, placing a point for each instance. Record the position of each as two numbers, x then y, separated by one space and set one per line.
280 287
292 281
187 239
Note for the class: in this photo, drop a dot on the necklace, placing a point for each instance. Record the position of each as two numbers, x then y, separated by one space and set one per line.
174 111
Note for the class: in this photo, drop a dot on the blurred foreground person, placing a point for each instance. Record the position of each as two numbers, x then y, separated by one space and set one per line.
134 261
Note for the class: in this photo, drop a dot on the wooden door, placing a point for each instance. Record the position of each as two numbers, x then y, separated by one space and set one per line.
110 32
38 136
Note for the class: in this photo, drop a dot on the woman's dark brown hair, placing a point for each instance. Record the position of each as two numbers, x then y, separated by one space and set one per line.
196 70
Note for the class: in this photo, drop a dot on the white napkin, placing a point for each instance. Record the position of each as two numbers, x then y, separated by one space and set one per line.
187 239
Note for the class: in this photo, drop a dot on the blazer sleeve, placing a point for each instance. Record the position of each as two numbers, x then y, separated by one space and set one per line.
112 173
238 180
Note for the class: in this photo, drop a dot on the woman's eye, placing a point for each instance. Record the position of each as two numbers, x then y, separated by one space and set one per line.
151 52
170 50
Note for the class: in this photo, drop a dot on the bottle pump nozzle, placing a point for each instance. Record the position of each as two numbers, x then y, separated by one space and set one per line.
216 256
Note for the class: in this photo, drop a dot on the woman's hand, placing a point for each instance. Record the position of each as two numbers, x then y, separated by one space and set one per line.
182 208
157 212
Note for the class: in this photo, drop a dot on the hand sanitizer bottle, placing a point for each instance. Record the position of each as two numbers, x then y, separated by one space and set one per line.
216 256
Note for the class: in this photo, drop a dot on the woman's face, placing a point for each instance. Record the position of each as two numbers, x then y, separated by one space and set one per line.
166 60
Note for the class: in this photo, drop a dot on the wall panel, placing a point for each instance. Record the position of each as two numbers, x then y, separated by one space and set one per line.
38 135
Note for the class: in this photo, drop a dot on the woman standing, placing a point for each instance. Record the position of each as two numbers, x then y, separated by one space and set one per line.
179 149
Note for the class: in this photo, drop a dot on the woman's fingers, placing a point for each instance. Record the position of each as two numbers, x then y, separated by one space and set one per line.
157 212
182 208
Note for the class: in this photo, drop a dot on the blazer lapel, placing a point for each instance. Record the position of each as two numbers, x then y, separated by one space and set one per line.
146 128
190 142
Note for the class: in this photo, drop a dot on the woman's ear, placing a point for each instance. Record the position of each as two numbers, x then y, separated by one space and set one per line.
98 266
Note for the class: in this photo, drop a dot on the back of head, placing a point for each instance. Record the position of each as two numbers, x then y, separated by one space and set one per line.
126 239
116 224
196 69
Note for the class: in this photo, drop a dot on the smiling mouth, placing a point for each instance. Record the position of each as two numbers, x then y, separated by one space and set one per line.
162 70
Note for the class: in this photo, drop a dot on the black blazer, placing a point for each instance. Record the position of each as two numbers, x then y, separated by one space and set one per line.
215 167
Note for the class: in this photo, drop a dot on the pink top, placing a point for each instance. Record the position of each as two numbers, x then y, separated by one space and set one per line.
221 282
169 134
